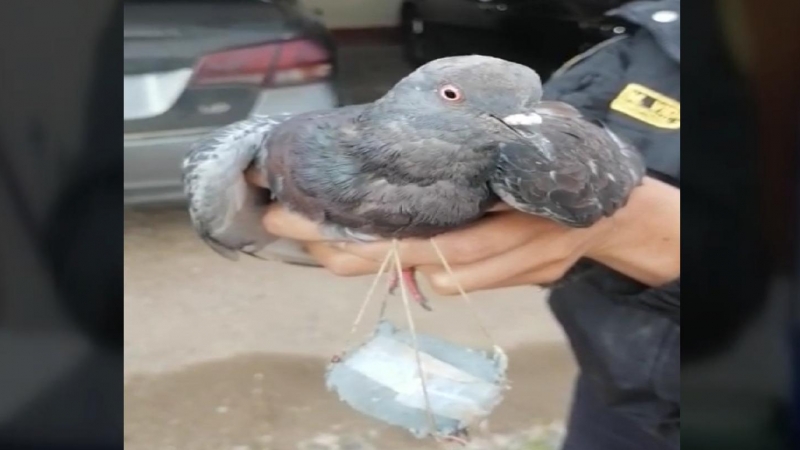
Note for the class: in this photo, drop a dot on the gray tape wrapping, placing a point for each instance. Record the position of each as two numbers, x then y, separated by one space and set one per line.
380 378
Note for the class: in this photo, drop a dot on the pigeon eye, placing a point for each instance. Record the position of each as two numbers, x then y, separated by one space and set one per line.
450 93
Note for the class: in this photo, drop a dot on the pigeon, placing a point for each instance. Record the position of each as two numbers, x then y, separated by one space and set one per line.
435 153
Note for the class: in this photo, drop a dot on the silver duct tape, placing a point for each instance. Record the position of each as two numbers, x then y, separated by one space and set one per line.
380 378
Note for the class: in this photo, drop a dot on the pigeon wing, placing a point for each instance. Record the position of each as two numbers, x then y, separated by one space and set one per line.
566 168
225 210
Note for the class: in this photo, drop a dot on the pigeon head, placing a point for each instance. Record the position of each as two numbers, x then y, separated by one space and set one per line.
476 87
469 102
450 115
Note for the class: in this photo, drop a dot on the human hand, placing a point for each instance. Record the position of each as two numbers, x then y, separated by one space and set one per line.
509 248
506 248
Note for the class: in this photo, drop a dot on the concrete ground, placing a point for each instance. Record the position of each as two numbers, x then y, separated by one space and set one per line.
231 355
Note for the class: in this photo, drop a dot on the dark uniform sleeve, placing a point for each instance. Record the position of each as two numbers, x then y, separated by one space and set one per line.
625 335
591 82
592 79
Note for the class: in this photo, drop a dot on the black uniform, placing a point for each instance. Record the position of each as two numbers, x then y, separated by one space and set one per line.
626 336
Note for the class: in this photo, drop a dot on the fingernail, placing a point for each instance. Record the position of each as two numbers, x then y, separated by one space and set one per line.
340 245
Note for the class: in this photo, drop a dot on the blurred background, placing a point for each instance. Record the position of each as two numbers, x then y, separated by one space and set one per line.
231 355
223 355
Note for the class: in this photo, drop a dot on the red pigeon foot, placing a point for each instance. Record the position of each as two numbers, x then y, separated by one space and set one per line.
410 282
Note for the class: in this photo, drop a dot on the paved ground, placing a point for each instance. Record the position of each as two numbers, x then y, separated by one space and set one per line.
223 355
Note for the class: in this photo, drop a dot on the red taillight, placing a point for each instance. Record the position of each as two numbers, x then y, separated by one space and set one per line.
301 62
284 63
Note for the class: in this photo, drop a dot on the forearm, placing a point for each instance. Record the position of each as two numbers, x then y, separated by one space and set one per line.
645 236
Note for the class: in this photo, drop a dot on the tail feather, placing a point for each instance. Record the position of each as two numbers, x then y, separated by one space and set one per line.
226 210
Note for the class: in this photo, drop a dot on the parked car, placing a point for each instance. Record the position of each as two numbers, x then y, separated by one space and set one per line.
542 34
194 65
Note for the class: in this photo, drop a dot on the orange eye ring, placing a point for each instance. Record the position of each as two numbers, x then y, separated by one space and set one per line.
451 93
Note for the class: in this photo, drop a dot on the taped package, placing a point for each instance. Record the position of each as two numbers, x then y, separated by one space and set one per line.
380 378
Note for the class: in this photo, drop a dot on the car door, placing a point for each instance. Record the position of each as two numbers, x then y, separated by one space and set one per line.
464 26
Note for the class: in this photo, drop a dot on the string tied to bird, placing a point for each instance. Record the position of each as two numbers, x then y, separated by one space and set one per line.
432 387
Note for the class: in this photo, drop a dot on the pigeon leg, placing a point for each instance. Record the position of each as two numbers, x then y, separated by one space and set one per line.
410 281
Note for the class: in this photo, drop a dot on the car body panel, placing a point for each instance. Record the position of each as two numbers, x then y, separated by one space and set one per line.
153 159
165 112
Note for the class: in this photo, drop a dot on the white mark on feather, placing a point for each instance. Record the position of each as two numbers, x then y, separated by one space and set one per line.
543 145
617 140
611 177
593 167
523 119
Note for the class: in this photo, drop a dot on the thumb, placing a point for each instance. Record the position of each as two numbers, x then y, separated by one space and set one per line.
256 177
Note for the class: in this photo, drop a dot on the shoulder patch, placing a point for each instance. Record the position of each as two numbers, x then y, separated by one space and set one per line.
648 106
582 56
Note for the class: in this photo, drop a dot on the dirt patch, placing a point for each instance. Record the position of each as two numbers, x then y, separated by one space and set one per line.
230 355
279 402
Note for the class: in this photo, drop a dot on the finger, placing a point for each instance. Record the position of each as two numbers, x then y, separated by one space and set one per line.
442 284
281 222
340 263
542 276
490 236
256 177
494 235
563 254
525 263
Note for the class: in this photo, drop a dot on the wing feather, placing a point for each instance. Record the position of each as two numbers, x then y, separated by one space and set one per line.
570 170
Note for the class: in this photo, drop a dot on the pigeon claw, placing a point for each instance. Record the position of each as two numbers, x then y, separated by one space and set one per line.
410 282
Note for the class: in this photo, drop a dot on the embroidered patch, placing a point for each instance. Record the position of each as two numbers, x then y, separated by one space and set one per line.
649 106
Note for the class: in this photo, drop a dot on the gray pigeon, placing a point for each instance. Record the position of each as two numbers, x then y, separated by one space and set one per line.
435 153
